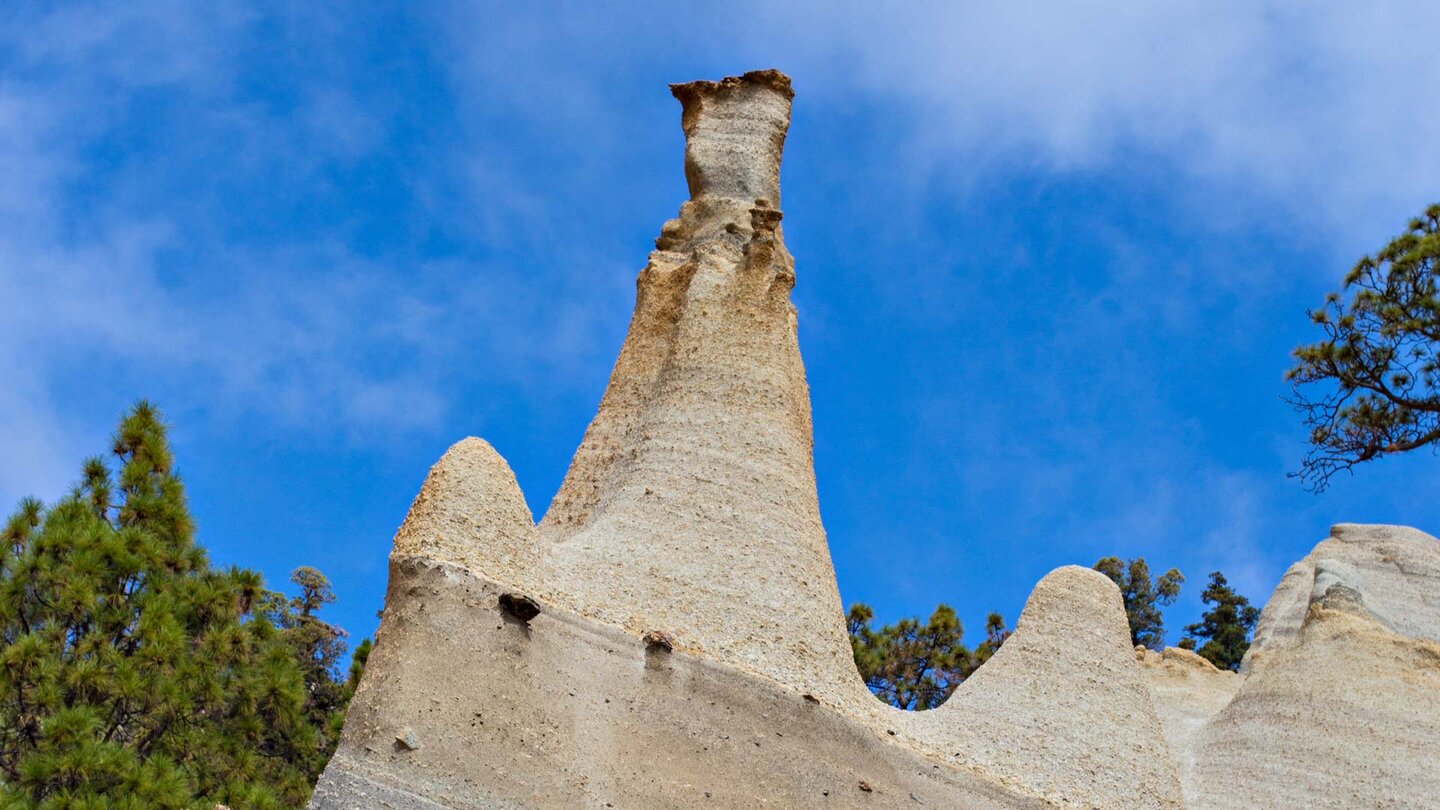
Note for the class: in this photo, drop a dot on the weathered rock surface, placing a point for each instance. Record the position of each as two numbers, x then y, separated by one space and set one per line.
1395 569
1062 703
1186 691
1340 703
671 635
694 488
565 712
1349 717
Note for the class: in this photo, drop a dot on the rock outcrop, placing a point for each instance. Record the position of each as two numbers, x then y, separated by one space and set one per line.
1393 570
671 635
1339 706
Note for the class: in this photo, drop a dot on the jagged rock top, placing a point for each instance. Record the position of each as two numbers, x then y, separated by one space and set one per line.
770 77
734 135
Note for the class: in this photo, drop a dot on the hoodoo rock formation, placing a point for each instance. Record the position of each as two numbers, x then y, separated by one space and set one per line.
670 634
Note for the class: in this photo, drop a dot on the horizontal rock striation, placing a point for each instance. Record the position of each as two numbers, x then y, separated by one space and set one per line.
1394 569
1187 691
565 712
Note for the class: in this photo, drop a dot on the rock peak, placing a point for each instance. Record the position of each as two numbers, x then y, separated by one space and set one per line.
735 134
692 496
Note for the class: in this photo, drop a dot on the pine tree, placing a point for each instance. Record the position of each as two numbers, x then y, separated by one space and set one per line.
913 665
1226 627
995 634
133 674
908 664
317 647
1371 386
358 659
1143 597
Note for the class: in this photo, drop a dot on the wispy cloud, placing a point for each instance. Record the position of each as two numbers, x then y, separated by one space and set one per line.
135 240
1318 111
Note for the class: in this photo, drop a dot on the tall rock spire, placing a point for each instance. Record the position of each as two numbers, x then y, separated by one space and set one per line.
690 506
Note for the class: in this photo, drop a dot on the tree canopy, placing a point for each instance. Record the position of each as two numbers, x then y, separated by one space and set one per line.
1225 627
1371 386
995 634
133 673
915 665
1143 597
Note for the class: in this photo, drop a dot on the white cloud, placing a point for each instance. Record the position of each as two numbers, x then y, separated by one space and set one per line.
39 456
1320 112
291 332
1235 534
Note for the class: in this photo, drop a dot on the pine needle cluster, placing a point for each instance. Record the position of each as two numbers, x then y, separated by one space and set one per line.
915 665
1371 386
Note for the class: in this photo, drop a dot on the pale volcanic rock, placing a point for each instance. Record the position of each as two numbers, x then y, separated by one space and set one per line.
690 507
1396 569
734 134
1187 691
1062 711
471 512
1347 716
1340 703
563 711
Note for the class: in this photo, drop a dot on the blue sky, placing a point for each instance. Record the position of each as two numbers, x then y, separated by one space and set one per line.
1051 262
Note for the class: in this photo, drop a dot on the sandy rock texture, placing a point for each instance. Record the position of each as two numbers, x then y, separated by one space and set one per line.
1395 570
1061 705
1340 703
694 489
564 712
1187 691
671 635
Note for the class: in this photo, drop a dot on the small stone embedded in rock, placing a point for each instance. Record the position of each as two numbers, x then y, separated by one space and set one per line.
520 606
407 739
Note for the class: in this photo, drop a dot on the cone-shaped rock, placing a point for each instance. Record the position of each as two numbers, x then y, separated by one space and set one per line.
690 507
1064 700
471 512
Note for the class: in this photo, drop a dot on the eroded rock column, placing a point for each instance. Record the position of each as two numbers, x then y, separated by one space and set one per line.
690 507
